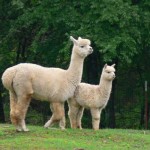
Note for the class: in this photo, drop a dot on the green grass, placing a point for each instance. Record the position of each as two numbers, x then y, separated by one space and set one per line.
39 138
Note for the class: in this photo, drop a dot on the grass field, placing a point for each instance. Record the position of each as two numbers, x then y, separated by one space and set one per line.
39 138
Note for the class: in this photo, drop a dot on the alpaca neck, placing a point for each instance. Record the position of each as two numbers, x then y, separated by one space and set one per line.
105 87
75 68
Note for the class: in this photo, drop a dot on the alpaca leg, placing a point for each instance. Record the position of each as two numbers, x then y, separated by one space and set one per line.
79 117
53 107
20 113
73 112
23 125
23 91
95 112
49 123
56 107
13 104
58 114
62 123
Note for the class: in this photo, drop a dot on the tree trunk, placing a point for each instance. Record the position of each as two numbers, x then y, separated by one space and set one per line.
142 117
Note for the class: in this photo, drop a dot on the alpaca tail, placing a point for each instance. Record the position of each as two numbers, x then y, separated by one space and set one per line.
7 79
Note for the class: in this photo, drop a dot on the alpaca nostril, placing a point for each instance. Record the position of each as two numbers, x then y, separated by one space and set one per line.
91 50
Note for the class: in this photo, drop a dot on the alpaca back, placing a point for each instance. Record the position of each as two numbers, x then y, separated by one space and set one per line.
45 83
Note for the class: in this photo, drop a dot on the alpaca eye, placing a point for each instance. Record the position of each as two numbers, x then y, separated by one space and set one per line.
108 72
82 46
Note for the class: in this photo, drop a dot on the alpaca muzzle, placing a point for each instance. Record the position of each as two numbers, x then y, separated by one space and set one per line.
91 50
114 76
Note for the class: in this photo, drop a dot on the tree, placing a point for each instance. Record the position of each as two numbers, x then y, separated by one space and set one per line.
38 32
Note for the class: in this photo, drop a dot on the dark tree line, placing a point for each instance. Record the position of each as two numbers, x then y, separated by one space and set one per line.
38 32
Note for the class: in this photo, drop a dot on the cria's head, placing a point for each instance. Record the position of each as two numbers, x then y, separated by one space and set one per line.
109 72
82 46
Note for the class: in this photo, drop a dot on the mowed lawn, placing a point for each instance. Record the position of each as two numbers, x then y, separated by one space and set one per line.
39 138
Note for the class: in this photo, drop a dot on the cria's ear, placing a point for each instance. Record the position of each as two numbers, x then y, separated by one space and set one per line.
73 40
105 65
113 65
79 38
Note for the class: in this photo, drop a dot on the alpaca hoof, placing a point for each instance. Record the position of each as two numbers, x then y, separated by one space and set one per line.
18 130
96 129
63 128
46 126
26 130
79 127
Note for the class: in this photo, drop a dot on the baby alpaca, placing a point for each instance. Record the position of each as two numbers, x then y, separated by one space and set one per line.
26 81
93 97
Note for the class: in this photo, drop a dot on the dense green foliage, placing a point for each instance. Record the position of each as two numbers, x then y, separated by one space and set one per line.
38 32
55 139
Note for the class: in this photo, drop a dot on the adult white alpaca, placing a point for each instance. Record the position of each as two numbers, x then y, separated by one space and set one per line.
26 81
93 97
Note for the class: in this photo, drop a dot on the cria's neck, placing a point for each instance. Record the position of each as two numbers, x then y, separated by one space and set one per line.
105 87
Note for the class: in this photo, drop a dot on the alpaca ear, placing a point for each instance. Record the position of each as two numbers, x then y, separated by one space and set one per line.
113 65
105 65
73 40
79 38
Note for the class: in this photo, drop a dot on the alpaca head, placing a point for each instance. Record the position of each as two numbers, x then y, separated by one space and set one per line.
108 72
82 46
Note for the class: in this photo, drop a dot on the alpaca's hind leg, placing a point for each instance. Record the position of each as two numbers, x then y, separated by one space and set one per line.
79 117
23 91
96 113
14 114
13 104
58 114
21 110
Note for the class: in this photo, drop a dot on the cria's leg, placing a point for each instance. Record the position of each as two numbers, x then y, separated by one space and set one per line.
73 112
58 114
79 117
96 113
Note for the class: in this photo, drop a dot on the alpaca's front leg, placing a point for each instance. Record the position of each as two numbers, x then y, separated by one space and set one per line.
96 114
79 117
73 117
58 115
73 112
62 123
